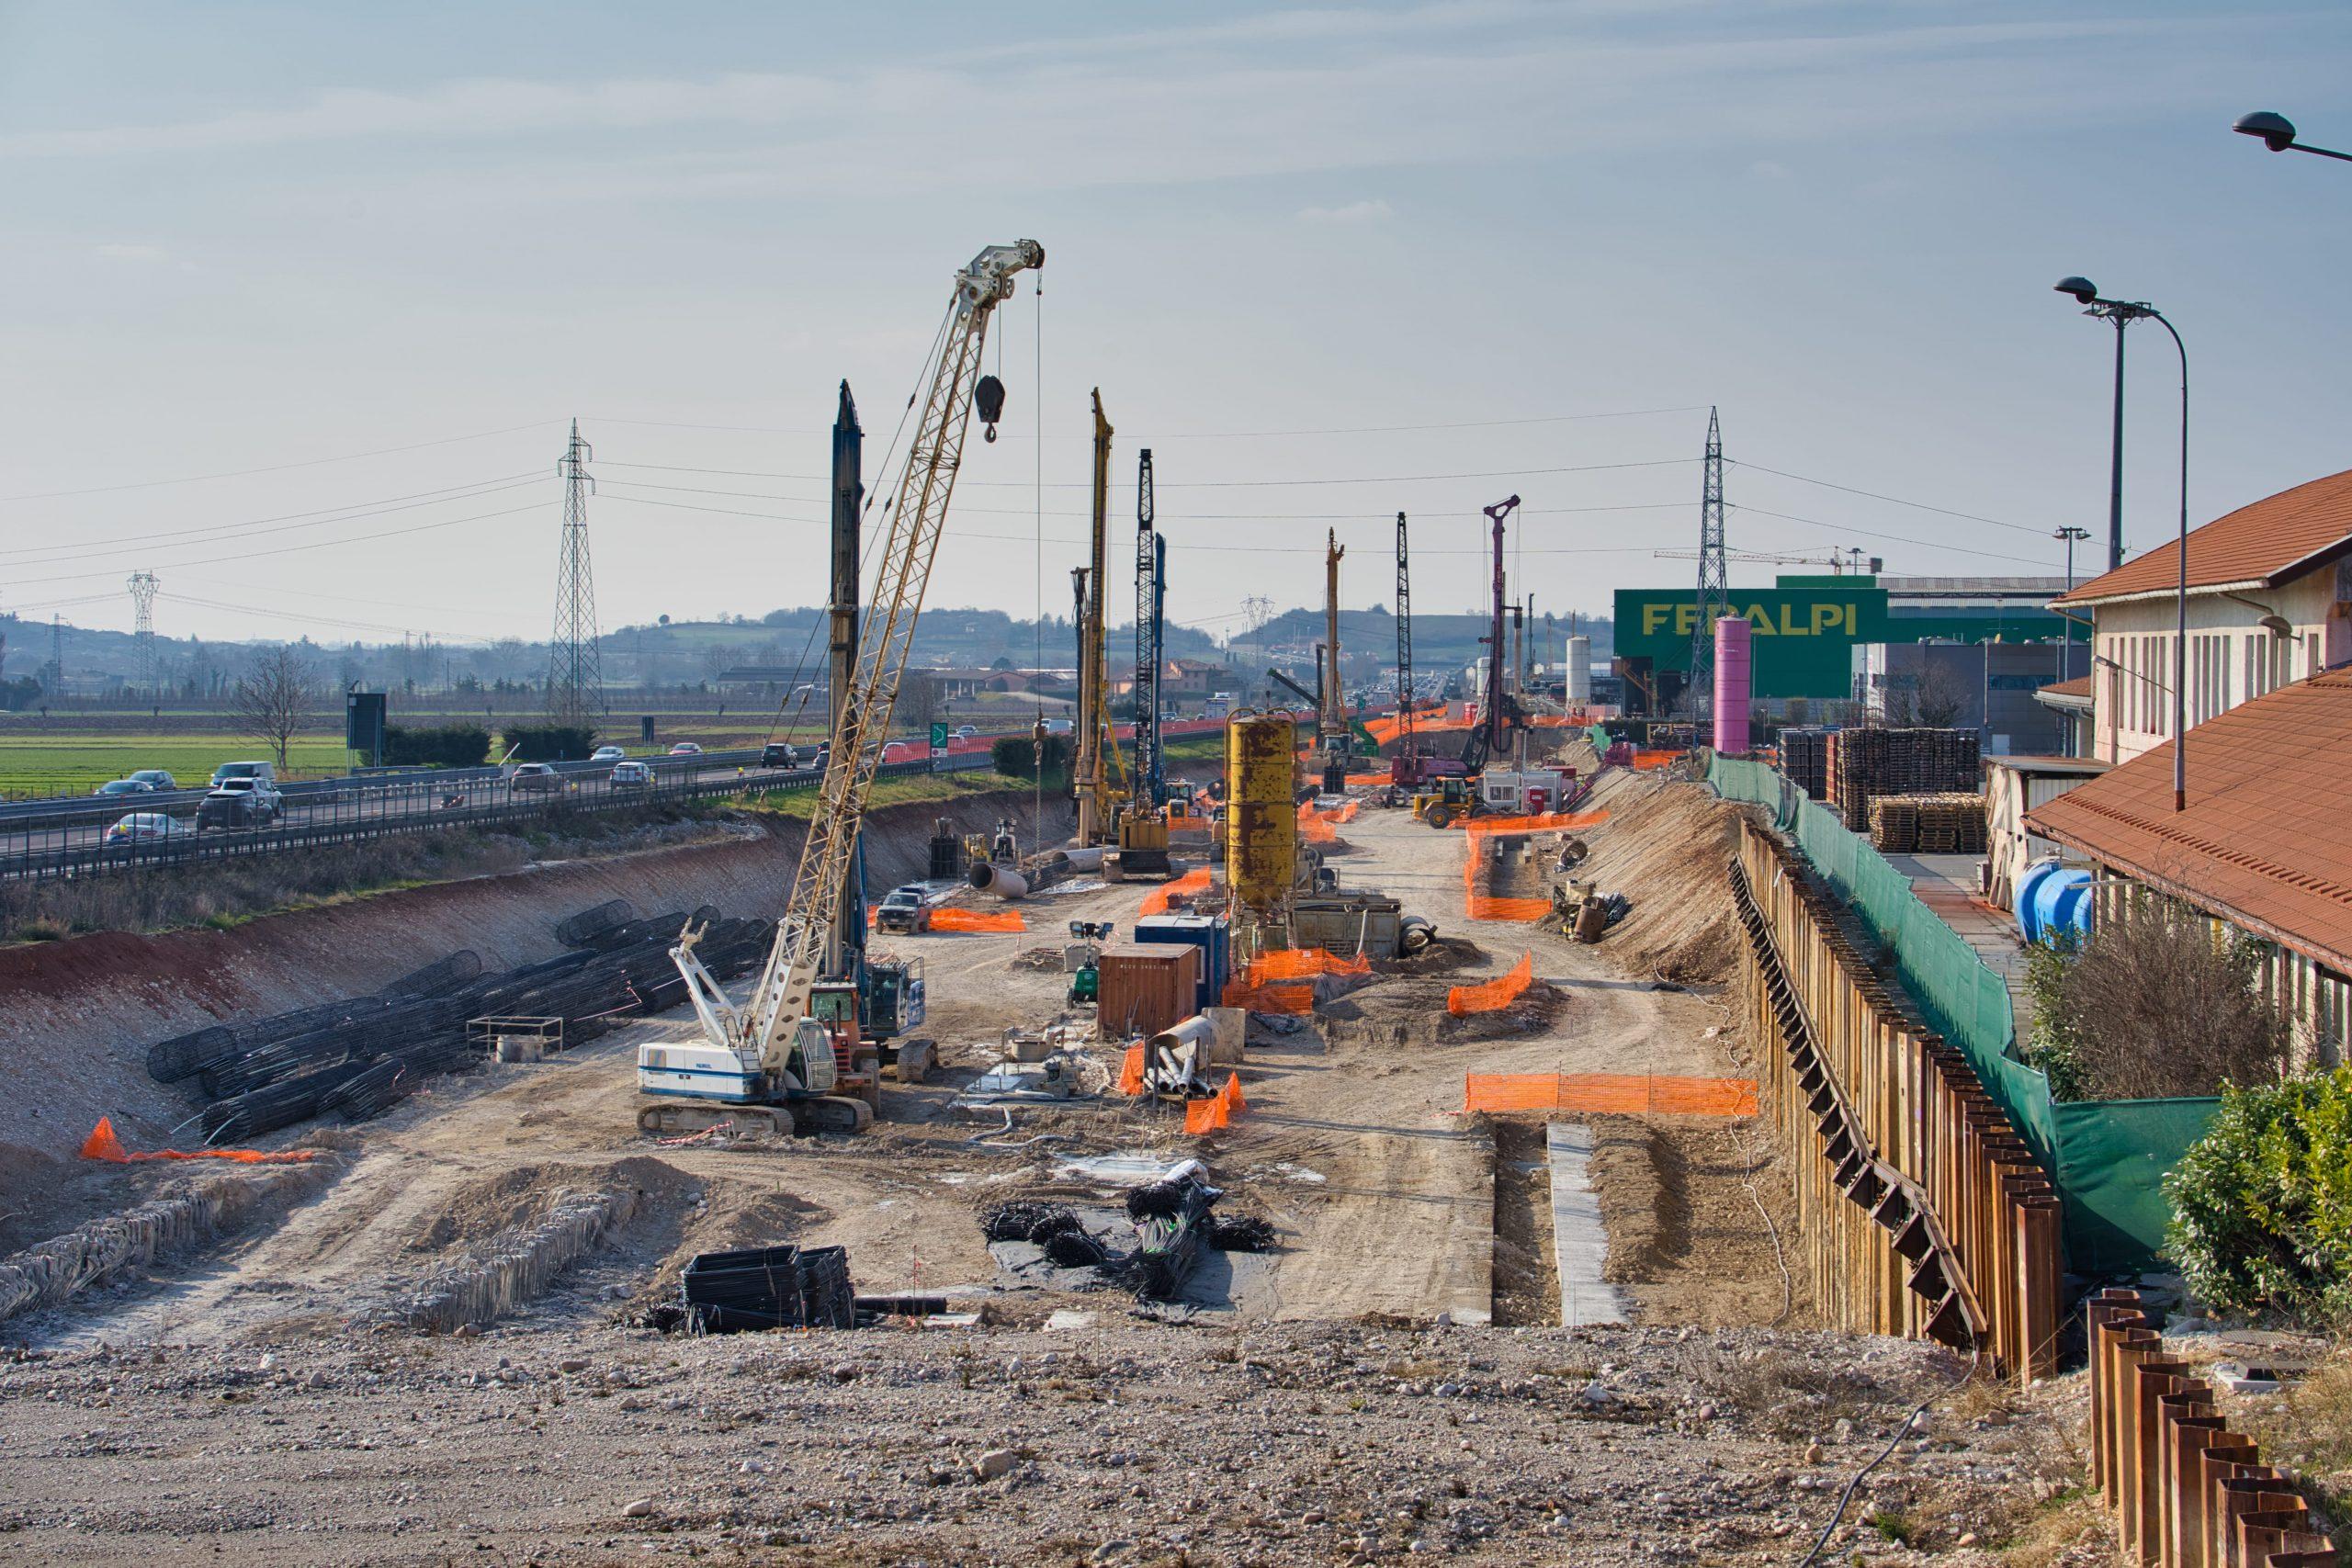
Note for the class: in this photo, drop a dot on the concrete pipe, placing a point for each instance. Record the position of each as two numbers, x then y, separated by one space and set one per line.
1000 880
1086 860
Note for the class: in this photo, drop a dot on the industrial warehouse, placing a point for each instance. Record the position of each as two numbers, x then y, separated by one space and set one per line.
1019 892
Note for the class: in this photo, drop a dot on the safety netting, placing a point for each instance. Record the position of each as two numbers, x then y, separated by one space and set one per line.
1131 1070
1303 964
1366 781
1543 822
977 921
1492 996
1217 1110
2107 1158
104 1143
1645 759
1190 884
1482 905
1627 1094
1298 999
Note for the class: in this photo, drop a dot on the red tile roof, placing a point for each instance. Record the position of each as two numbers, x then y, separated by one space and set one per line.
2264 543
2080 686
2267 841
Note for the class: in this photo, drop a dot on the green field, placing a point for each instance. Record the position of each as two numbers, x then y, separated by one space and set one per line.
60 762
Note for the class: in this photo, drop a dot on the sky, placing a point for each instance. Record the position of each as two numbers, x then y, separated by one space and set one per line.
301 299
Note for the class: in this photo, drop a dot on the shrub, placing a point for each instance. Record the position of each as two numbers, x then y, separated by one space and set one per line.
2262 1203
449 745
1015 756
2159 1002
550 742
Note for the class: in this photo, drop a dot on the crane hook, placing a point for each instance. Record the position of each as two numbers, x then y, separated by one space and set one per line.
988 399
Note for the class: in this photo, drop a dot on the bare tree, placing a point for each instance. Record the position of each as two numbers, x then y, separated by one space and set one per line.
917 705
1940 697
272 704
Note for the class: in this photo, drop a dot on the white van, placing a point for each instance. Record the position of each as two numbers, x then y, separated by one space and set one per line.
261 772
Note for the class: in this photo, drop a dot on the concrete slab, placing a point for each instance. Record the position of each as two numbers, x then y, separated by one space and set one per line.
1579 1243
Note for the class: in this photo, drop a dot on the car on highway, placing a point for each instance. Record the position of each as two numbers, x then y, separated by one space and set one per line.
156 778
967 732
147 830
903 752
1057 727
606 754
114 787
686 748
631 775
534 778
779 754
266 773
240 802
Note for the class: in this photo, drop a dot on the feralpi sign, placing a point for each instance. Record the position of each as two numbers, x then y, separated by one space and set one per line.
1802 639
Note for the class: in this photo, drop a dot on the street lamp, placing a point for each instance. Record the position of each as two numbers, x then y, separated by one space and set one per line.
2086 293
2278 133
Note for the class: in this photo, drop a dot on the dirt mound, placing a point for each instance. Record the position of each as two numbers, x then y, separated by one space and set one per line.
1412 1011
1665 847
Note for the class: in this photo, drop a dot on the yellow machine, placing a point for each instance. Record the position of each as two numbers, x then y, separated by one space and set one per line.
1453 799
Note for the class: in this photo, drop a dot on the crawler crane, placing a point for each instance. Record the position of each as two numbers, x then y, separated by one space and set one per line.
771 1060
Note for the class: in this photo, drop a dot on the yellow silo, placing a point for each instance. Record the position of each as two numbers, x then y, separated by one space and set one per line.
1262 820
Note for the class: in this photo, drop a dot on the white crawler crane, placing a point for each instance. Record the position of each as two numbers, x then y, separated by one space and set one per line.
778 1059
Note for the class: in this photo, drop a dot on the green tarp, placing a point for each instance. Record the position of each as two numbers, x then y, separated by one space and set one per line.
2107 1158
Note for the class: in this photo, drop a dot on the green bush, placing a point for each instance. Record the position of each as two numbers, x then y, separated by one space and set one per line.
1015 756
551 742
2262 1204
449 745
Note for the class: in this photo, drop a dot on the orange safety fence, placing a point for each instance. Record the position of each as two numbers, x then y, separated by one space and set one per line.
1313 830
1366 781
1298 999
1632 1094
1547 822
1193 881
102 1144
1656 759
1131 1070
976 921
1217 1110
1487 907
1303 963
1492 996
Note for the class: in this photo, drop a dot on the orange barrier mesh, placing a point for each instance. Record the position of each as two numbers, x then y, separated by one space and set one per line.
1269 999
1195 881
1204 1116
1492 996
1231 1095
1549 821
1131 1070
1303 963
1366 781
1656 759
976 921
1632 1094
1487 907
102 1144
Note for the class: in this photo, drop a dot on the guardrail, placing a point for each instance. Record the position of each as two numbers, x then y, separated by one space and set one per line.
76 846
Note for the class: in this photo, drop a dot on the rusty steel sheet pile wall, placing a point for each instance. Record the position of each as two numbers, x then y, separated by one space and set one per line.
1924 1214
2185 1490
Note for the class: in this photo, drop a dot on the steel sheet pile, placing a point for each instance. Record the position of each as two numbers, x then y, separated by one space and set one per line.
358 1057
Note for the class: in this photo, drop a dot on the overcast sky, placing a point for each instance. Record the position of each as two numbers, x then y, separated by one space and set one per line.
385 252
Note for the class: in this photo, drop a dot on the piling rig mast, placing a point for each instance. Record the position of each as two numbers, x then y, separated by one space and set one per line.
1089 777
1487 734
1151 600
770 1059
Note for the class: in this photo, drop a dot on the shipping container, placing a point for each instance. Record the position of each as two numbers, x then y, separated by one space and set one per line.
1144 988
1210 933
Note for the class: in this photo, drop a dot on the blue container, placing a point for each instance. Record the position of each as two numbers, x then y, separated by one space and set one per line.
2054 903
1213 934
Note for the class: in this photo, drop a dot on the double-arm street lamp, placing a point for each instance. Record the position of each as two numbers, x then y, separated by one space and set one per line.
2278 133
2119 311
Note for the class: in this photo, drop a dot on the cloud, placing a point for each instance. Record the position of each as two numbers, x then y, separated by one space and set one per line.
1353 212
131 253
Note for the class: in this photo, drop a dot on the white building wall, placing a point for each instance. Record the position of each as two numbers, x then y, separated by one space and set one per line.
2231 657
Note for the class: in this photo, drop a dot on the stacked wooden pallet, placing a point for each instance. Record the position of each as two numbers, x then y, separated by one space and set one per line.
1873 762
1805 758
1936 824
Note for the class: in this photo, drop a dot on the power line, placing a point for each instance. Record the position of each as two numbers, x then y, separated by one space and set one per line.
277 468
1203 484
324 516
1893 499
1891 538
293 550
1218 434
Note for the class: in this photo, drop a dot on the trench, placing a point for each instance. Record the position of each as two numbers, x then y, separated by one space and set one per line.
1526 1282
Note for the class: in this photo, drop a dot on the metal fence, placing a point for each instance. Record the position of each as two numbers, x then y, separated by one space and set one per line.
70 839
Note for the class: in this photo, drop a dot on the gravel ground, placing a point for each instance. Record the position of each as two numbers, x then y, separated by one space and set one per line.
1123 1443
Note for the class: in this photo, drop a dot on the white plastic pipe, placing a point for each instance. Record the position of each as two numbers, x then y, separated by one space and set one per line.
1000 880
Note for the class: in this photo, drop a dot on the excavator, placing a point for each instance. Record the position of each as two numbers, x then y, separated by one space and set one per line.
787 1058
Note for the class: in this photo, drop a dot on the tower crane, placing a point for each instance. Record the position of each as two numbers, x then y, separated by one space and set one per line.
770 1060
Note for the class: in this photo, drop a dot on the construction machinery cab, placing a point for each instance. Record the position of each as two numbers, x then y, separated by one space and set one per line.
1452 799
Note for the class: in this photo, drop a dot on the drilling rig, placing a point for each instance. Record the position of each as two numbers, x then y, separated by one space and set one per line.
774 1061
1457 796
1143 823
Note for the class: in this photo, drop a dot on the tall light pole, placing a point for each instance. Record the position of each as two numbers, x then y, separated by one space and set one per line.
2086 293
2071 535
2278 133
